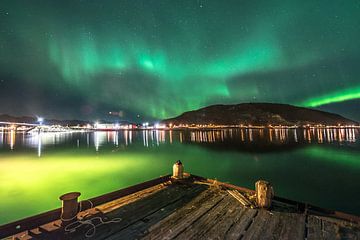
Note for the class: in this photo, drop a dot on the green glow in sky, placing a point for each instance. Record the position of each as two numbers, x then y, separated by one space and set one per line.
339 96
158 59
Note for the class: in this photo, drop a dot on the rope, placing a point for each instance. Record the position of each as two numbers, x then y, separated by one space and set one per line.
90 232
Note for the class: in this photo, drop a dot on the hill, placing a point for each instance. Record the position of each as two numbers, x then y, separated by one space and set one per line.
259 114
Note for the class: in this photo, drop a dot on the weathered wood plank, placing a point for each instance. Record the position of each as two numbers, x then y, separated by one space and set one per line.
284 226
141 227
20 236
274 227
110 206
184 217
321 228
225 222
207 220
140 209
330 231
293 226
35 233
256 228
314 228
340 228
241 198
348 233
241 223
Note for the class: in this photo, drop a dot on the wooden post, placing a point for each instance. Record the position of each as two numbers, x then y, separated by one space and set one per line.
69 208
264 194
178 170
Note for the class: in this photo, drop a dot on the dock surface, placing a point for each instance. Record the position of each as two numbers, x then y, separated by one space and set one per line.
194 210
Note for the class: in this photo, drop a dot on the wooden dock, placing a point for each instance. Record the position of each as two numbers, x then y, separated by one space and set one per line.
193 208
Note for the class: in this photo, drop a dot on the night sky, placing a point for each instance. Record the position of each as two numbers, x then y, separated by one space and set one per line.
158 58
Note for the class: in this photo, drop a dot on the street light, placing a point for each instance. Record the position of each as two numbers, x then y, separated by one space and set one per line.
40 120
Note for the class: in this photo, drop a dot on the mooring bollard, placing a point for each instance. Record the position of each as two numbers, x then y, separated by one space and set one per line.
178 170
69 208
264 194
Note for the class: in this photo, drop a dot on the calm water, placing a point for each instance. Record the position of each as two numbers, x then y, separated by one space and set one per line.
321 167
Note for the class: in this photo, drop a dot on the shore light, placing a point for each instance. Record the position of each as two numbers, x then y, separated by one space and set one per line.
40 120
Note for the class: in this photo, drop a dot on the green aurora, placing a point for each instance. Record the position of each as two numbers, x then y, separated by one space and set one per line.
340 96
156 59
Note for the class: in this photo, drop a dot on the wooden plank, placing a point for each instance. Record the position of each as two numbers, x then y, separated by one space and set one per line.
225 222
141 227
127 191
320 228
184 217
241 223
35 233
207 220
110 206
314 228
293 226
226 185
166 196
20 236
239 197
194 208
283 226
340 228
348 233
274 227
256 228
330 231
135 211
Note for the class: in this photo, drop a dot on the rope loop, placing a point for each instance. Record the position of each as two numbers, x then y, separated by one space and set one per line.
72 227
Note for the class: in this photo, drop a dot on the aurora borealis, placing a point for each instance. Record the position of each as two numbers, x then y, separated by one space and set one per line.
158 58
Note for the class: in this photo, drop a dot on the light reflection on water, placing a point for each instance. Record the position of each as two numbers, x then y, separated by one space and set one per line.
302 164
150 138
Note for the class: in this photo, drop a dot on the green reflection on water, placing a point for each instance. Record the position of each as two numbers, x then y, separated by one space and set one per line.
338 156
320 174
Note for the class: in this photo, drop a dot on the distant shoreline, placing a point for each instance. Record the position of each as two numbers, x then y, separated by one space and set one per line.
47 129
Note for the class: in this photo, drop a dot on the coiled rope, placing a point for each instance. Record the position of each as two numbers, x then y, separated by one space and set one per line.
79 223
